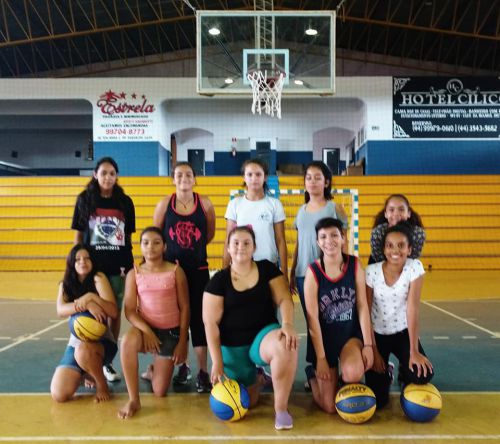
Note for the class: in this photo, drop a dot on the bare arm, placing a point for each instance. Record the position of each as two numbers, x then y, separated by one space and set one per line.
312 314
364 316
213 309
64 309
210 212
230 224
104 298
342 215
279 236
293 287
78 237
159 213
412 313
378 362
283 299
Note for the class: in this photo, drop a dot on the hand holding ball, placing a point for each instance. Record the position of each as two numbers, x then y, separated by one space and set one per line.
229 400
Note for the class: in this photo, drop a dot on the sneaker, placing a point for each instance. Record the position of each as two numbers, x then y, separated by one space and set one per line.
183 375
268 380
203 384
283 421
310 374
390 371
110 373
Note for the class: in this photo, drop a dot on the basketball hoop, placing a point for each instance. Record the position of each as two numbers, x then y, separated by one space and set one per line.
266 92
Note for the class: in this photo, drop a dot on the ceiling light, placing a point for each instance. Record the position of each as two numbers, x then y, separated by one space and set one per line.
214 30
311 31
228 81
298 82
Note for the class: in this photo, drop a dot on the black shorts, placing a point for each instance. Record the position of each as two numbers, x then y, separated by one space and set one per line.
169 338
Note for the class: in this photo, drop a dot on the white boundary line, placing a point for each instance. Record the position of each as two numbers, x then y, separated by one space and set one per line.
466 321
32 336
278 437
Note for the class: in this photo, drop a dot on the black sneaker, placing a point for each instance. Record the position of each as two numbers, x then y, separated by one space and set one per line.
203 384
310 374
183 375
110 373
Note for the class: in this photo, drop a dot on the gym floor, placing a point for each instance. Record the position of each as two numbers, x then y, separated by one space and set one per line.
460 332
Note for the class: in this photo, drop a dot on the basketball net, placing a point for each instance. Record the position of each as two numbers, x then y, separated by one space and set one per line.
266 92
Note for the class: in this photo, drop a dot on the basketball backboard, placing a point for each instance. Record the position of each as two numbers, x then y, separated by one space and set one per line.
299 44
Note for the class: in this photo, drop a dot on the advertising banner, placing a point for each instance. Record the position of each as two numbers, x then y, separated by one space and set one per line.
125 116
443 107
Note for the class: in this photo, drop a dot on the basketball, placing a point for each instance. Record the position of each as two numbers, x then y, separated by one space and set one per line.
355 403
85 327
229 400
421 403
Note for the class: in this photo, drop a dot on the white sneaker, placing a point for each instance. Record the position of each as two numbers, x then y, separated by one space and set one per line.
110 373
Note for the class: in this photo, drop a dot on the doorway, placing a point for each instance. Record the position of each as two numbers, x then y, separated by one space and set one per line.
331 157
196 159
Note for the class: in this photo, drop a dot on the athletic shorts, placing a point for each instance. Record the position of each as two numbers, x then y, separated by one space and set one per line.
169 338
240 361
68 359
118 286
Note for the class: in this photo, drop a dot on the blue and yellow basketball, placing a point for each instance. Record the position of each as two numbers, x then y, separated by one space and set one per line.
229 400
355 403
421 403
85 327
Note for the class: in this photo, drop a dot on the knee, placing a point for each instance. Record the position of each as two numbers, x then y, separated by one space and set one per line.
160 392
130 342
352 373
60 395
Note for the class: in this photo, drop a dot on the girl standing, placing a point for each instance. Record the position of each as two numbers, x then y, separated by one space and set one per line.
393 290
84 289
239 311
396 209
263 213
187 221
104 220
337 316
318 205
156 304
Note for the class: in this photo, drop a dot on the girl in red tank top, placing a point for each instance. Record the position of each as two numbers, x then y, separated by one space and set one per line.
157 306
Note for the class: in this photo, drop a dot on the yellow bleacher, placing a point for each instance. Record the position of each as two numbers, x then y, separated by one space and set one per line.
461 215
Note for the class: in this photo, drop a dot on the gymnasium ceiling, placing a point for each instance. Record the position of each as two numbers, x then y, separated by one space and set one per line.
74 38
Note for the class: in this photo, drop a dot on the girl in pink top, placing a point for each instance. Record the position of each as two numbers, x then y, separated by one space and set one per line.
157 306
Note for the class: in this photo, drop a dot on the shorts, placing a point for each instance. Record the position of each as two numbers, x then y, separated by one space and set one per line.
68 359
169 338
118 286
240 361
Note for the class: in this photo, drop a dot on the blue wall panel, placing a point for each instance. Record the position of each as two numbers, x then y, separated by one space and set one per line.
134 159
302 157
227 165
432 157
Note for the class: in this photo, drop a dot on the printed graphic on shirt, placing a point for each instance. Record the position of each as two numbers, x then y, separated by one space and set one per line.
265 217
185 233
337 305
107 229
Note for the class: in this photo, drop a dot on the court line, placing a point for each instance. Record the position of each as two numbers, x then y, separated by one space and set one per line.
278 437
472 324
32 335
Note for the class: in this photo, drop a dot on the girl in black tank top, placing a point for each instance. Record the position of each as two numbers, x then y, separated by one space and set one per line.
187 221
338 317
186 235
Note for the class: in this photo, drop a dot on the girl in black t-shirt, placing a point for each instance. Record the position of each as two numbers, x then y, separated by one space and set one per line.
241 325
104 220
